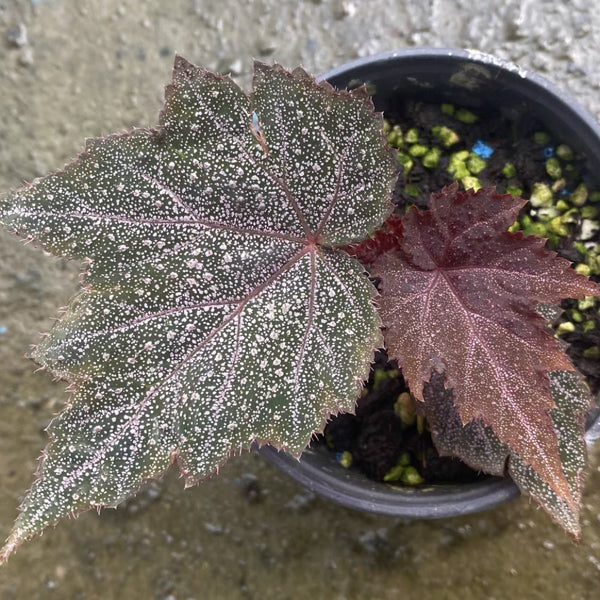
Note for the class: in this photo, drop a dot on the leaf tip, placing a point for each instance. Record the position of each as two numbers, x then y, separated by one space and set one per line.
14 540
182 65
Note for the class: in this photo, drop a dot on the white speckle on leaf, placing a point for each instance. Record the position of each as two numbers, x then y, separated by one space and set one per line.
205 310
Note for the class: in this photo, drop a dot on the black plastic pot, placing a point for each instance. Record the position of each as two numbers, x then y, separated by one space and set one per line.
473 80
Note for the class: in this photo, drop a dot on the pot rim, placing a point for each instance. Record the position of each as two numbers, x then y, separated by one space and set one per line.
430 502
469 55
435 501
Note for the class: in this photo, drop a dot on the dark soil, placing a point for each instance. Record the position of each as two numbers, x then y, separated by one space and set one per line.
496 131
375 436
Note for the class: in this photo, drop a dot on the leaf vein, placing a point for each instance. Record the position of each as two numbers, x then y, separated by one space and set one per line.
178 368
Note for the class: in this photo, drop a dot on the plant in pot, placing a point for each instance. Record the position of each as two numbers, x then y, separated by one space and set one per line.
531 128
226 298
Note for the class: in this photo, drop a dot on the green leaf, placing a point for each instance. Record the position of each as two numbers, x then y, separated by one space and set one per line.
478 446
217 310
572 398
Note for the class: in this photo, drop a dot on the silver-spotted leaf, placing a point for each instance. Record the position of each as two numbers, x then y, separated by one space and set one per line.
216 310
478 446
474 442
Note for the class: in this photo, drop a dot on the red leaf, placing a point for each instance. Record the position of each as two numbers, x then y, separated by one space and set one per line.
384 239
459 294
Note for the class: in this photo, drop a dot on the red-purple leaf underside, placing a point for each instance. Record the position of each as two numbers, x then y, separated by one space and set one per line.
217 309
459 296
